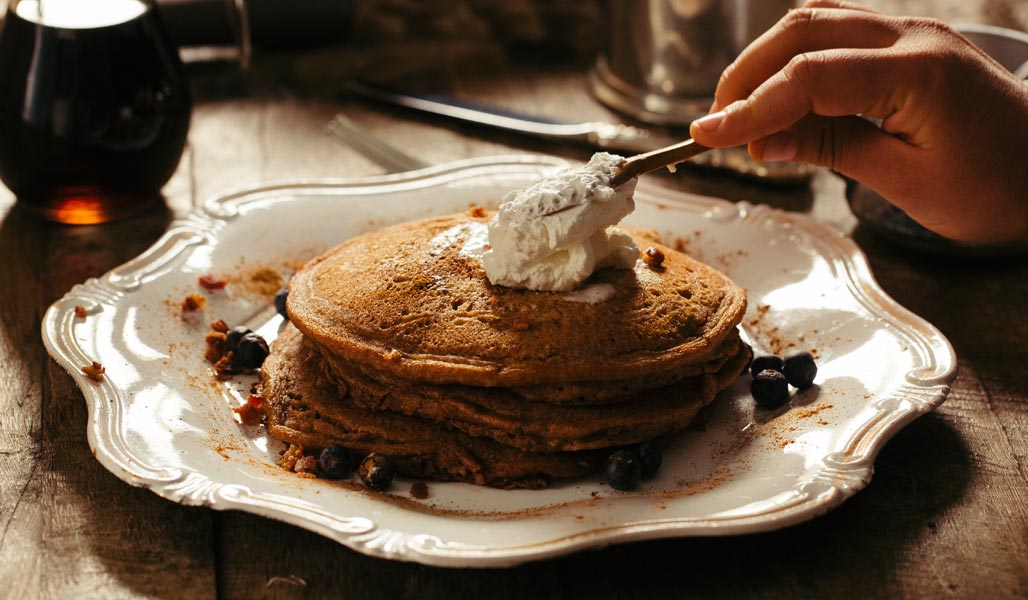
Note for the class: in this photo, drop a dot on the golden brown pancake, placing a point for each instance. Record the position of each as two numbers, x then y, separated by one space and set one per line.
402 346
304 408
498 414
405 301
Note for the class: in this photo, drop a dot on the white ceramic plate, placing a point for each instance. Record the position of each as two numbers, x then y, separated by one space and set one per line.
160 420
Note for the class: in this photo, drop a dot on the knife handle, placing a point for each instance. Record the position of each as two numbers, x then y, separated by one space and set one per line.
636 165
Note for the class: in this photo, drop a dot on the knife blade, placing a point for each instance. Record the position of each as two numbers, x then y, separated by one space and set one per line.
605 136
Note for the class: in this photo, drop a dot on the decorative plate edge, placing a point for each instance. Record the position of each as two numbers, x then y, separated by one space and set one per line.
842 475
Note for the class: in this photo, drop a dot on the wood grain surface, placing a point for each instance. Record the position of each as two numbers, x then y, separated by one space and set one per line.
946 514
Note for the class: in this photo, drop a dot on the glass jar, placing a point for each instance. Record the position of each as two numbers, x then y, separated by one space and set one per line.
94 107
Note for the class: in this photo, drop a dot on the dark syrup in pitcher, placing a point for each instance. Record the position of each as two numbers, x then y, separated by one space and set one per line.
94 107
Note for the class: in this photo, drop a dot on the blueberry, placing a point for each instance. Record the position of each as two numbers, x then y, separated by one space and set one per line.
234 335
766 361
770 389
800 369
335 462
280 302
623 469
650 457
252 350
376 471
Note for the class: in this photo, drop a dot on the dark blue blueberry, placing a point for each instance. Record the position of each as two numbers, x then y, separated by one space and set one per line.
650 457
623 469
770 389
280 302
252 350
800 369
766 361
233 336
376 471
335 462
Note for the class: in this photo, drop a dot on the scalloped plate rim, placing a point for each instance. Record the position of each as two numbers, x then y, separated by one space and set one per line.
808 505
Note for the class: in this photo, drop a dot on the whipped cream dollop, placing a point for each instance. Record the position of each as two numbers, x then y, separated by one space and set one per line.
553 234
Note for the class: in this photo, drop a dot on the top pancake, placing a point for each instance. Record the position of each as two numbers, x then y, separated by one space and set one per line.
408 301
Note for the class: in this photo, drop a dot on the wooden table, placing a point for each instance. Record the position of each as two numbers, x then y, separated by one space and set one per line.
946 514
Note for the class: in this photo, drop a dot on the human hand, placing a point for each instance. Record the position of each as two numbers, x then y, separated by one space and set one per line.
952 149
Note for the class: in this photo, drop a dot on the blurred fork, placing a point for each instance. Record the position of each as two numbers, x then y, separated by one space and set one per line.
344 130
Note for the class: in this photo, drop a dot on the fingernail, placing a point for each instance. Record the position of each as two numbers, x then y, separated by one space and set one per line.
779 147
711 122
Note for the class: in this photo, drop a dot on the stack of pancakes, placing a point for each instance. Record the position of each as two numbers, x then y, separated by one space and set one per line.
398 344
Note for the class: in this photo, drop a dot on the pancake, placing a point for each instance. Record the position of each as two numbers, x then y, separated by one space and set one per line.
411 301
398 344
498 414
304 408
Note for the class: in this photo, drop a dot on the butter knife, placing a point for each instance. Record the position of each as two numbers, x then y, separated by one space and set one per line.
595 134
605 136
